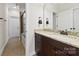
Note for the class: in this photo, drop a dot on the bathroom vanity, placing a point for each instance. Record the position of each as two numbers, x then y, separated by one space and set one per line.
54 44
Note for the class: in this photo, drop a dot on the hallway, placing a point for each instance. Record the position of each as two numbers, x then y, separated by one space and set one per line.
14 48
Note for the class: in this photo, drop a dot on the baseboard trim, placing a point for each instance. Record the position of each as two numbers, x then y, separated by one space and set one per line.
32 54
2 49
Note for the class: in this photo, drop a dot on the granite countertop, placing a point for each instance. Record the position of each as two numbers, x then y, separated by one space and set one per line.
68 39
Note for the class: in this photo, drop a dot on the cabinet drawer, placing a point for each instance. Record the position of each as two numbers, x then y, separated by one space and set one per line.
37 43
59 44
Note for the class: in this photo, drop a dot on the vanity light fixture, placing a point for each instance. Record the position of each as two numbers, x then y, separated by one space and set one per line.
40 20
47 22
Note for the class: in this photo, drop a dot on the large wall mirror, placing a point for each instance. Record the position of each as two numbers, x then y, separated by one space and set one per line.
61 17
69 19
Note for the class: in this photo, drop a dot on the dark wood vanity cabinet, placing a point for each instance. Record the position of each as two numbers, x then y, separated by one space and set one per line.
45 46
38 43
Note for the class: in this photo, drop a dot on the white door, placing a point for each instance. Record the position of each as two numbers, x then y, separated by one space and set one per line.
13 23
14 30
2 32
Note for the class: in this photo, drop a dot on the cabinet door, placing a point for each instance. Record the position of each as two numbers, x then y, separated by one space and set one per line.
37 43
65 19
49 49
46 47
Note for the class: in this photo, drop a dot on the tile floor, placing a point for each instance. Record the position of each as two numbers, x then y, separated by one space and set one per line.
14 47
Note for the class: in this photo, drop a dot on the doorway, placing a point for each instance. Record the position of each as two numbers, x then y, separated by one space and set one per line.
13 21
16 42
